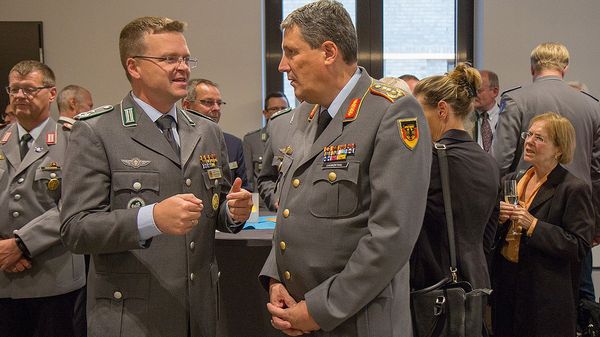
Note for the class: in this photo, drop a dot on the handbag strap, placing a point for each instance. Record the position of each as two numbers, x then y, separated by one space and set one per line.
443 161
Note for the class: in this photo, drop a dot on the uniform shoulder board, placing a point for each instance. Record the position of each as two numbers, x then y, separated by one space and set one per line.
386 91
253 132
281 113
194 112
94 112
509 90
586 93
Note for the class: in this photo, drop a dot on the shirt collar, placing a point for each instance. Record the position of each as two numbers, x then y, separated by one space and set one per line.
151 111
35 132
343 94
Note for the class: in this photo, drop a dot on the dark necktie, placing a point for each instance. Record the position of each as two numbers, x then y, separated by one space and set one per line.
164 123
486 132
24 144
324 119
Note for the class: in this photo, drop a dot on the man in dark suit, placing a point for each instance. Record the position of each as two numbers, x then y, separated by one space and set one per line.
203 96
486 114
39 278
147 186
354 188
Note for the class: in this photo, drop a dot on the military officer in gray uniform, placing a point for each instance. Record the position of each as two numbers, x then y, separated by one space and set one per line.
39 278
147 187
354 188
278 133
255 141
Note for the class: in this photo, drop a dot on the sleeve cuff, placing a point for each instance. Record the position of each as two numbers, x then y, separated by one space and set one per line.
532 227
146 225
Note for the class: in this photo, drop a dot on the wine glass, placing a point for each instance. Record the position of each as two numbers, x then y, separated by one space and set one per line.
511 197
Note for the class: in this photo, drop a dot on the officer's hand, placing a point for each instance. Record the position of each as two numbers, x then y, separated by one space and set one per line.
239 202
21 265
280 298
10 254
178 214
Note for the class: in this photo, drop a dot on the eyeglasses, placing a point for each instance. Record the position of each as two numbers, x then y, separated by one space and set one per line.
27 91
175 61
536 138
208 102
276 108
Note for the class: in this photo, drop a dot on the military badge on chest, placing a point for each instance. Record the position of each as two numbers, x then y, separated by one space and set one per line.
336 156
209 164
53 184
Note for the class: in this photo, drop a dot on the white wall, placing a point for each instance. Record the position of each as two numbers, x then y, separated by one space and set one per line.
507 31
81 46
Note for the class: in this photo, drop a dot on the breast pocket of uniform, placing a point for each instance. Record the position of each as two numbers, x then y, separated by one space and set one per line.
213 186
334 191
47 183
134 189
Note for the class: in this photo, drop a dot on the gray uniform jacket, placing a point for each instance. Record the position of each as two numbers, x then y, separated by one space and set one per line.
345 229
30 191
278 133
545 94
118 161
254 147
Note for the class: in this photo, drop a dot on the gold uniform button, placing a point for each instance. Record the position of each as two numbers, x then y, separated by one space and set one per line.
282 245
332 176
286 213
287 275
117 295
296 182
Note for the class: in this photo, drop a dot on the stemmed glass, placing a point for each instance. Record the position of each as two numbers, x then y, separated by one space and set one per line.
511 197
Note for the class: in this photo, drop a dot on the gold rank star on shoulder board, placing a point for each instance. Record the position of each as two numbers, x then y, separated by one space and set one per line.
409 132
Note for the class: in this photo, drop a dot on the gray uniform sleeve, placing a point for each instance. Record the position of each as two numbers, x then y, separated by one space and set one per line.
41 233
88 224
267 177
507 148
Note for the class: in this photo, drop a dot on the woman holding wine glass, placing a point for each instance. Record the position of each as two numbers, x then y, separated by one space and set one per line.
543 238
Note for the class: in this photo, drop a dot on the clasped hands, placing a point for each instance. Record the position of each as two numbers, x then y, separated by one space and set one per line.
11 258
178 214
517 213
287 315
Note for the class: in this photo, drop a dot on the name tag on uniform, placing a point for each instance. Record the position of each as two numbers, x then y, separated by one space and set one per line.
233 165
214 173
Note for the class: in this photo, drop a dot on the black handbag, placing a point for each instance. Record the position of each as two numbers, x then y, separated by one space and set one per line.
450 307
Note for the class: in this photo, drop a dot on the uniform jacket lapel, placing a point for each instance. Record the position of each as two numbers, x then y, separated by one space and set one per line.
147 133
11 148
547 190
38 148
188 136
336 126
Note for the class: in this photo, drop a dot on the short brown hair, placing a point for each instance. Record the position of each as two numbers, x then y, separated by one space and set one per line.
131 39
561 132
549 55
458 89
26 67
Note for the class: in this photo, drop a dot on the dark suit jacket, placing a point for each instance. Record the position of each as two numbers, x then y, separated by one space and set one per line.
474 192
235 152
164 286
548 271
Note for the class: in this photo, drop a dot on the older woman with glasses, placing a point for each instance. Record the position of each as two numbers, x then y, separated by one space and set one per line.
543 238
